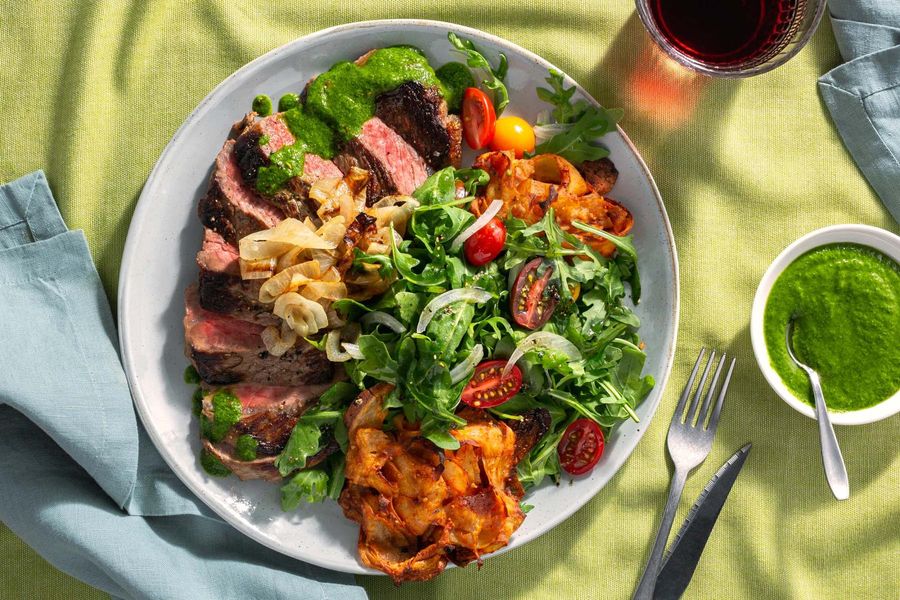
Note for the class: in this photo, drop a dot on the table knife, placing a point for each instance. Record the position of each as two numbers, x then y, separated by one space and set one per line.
684 553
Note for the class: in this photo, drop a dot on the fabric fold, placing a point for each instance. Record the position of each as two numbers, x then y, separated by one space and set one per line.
863 94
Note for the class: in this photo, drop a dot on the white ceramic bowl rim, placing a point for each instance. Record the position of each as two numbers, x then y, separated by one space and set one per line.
885 242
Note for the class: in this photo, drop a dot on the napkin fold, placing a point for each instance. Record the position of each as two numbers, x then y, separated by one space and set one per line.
863 94
80 480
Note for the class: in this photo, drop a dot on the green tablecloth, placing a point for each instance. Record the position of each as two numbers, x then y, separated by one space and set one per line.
93 91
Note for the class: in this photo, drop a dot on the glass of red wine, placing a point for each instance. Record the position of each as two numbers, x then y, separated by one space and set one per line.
731 38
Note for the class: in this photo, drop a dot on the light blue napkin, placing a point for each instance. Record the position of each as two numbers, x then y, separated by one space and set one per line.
79 479
863 94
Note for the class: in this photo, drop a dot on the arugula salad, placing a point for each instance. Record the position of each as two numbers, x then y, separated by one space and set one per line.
442 317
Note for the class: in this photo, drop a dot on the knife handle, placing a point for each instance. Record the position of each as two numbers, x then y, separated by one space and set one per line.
644 590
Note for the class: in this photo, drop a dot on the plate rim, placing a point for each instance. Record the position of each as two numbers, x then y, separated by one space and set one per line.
143 208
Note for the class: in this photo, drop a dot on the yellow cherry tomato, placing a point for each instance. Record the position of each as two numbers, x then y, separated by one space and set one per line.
513 133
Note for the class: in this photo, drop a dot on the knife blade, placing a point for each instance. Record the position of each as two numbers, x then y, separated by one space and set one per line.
681 559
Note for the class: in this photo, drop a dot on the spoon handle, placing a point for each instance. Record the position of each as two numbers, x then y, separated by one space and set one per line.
832 460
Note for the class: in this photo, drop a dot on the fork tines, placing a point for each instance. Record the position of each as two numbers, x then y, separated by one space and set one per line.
693 418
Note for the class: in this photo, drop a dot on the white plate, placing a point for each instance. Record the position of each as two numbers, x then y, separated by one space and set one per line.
165 235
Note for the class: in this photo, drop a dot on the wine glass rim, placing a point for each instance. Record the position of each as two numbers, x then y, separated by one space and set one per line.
736 71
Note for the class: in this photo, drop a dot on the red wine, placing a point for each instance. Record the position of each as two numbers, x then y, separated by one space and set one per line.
726 32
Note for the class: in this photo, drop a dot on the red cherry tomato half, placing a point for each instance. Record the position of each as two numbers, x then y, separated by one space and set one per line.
478 118
535 294
486 390
486 243
581 446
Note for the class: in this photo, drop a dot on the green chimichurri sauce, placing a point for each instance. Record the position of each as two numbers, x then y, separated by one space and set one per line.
245 447
344 96
455 77
337 104
262 105
846 298
311 134
288 101
226 410
212 465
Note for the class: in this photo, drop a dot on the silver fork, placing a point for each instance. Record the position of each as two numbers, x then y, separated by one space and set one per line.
689 444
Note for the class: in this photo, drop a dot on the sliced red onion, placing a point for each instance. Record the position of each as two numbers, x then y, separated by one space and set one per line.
353 350
491 212
382 318
463 369
472 294
541 339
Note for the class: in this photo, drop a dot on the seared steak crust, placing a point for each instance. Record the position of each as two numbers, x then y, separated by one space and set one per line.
230 207
298 366
231 295
419 115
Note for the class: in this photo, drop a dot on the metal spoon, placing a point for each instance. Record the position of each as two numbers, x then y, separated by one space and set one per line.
832 460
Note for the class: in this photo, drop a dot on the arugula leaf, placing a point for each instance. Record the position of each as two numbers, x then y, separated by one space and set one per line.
625 244
378 362
430 276
438 188
305 486
338 463
409 305
436 225
493 77
441 438
627 376
303 443
472 179
449 326
385 266
339 394
578 124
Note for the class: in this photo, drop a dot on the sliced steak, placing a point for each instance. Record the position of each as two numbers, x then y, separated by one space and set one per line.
226 350
221 288
394 166
230 207
293 198
269 414
315 167
419 115
251 156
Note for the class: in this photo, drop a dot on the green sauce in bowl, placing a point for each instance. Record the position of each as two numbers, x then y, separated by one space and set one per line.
846 298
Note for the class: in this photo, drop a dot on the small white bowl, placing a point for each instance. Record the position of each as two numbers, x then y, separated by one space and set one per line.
865 235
